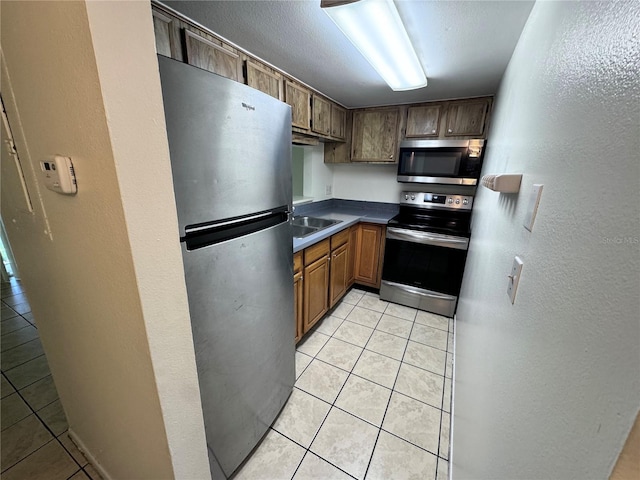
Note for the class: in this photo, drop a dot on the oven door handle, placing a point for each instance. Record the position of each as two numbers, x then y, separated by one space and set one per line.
424 293
426 238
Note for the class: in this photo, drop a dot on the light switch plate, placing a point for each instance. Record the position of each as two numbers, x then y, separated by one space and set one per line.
532 206
514 278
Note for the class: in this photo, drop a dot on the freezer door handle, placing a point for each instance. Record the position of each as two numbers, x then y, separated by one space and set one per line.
204 236
191 230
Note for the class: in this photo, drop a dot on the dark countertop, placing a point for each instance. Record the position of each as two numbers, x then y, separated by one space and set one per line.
349 212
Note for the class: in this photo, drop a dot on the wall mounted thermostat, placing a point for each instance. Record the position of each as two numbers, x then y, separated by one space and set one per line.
59 175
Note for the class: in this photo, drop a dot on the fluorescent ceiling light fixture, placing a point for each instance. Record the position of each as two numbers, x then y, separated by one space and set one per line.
375 28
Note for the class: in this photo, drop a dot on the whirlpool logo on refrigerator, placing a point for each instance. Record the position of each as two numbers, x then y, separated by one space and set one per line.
248 107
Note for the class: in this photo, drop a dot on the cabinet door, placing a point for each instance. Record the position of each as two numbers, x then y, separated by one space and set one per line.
368 254
298 295
338 121
375 135
351 259
262 79
467 118
423 121
207 55
340 152
162 31
316 287
167 33
338 280
321 111
299 98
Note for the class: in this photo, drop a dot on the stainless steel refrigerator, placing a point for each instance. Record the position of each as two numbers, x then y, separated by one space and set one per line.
230 148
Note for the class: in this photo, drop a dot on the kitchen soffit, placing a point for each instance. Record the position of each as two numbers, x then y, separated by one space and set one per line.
464 46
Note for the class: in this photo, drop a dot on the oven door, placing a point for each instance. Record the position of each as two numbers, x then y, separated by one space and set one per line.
423 270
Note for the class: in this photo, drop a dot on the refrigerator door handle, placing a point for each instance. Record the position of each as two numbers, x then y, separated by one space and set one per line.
229 223
201 236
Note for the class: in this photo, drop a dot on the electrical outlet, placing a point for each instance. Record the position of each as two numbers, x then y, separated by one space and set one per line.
532 206
327 190
514 278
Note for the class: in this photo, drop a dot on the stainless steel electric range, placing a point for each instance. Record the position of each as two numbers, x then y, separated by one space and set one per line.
426 249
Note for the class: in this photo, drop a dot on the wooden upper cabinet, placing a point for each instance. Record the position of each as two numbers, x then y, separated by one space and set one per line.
375 135
423 121
321 110
161 29
264 80
207 55
467 118
338 121
167 33
300 100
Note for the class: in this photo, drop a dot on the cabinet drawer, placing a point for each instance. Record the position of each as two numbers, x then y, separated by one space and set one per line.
316 251
297 262
339 239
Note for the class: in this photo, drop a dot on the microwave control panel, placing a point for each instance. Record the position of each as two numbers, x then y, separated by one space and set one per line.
436 200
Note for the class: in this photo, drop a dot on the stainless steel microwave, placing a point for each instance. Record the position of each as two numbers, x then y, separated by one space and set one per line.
451 162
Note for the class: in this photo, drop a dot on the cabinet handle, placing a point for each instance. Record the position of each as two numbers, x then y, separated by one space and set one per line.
450 131
433 131
391 156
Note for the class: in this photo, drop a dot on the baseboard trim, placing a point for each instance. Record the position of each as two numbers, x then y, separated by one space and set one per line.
83 449
453 398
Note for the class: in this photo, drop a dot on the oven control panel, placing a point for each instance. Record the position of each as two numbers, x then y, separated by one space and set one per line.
436 200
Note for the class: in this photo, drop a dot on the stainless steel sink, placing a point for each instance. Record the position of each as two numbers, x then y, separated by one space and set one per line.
314 222
301 232
304 226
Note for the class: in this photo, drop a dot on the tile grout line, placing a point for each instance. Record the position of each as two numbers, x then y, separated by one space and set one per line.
26 361
332 405
393 389
439 458
55 437
350 373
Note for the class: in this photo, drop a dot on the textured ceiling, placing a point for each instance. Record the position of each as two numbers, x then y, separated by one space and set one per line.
464 46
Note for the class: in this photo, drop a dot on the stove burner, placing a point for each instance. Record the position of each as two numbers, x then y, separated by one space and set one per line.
456 223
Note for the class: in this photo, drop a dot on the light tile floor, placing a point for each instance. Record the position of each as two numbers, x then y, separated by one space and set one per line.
372 398
34 437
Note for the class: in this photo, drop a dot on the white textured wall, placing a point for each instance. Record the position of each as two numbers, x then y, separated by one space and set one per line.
134 110
549 387
373 183
317 175
106 288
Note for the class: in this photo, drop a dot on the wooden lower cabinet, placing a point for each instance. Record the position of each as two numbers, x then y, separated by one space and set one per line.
351 262
316 286
338 282
369 253
324 272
